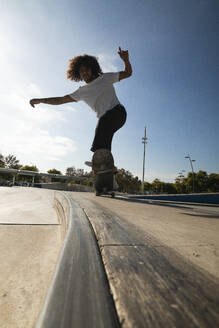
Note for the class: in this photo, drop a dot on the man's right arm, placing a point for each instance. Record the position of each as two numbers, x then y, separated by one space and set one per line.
52 101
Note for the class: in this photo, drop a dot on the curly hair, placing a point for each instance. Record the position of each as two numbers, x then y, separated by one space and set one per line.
85 60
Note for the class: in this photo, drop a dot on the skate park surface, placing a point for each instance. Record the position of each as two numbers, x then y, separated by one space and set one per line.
157 263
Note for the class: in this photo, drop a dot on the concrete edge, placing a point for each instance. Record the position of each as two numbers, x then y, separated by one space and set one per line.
210 199
79 294
62 208
161 201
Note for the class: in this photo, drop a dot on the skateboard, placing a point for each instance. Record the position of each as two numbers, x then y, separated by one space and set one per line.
103 168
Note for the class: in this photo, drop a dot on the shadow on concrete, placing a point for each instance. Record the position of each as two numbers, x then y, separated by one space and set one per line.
152 202
204 216
200 198
200 213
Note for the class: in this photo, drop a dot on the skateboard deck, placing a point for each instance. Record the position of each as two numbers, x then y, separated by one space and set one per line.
103 168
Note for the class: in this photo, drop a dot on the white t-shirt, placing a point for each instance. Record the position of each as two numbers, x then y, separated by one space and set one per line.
99 94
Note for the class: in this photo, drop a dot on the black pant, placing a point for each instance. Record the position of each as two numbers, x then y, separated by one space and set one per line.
107 125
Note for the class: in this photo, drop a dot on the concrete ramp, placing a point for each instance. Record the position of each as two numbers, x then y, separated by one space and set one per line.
31 239
108 263
20 205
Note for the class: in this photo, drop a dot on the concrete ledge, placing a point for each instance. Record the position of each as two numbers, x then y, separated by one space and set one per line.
64 186
62 207
79 293
145 250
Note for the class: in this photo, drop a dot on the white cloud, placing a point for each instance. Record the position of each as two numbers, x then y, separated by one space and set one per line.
16 103
68 108
33 89
24 131
107 62
6 49
36 144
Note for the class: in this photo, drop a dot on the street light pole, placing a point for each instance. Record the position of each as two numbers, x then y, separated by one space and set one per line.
144 141
193 179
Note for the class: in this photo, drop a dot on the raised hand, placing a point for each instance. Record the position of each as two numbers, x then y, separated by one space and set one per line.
34 102
124 54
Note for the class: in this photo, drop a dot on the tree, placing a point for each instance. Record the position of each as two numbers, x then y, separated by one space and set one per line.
157 186
8 162
29 178
54 171
127 182
71 171
189 182
80 173
213 182
2 161
136 184
30 168
147 186
169 188
180 185
201 179
11 162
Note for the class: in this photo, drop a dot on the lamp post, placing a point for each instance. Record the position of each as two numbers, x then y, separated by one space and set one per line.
193 179
144 141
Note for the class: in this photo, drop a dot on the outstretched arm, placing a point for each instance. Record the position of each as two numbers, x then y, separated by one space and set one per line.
52 101
124 55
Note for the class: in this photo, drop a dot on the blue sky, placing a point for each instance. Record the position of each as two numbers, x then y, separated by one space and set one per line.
174 89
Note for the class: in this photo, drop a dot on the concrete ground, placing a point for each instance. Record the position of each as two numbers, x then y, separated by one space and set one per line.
161 260
19 205
31 239
190 230
30 243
